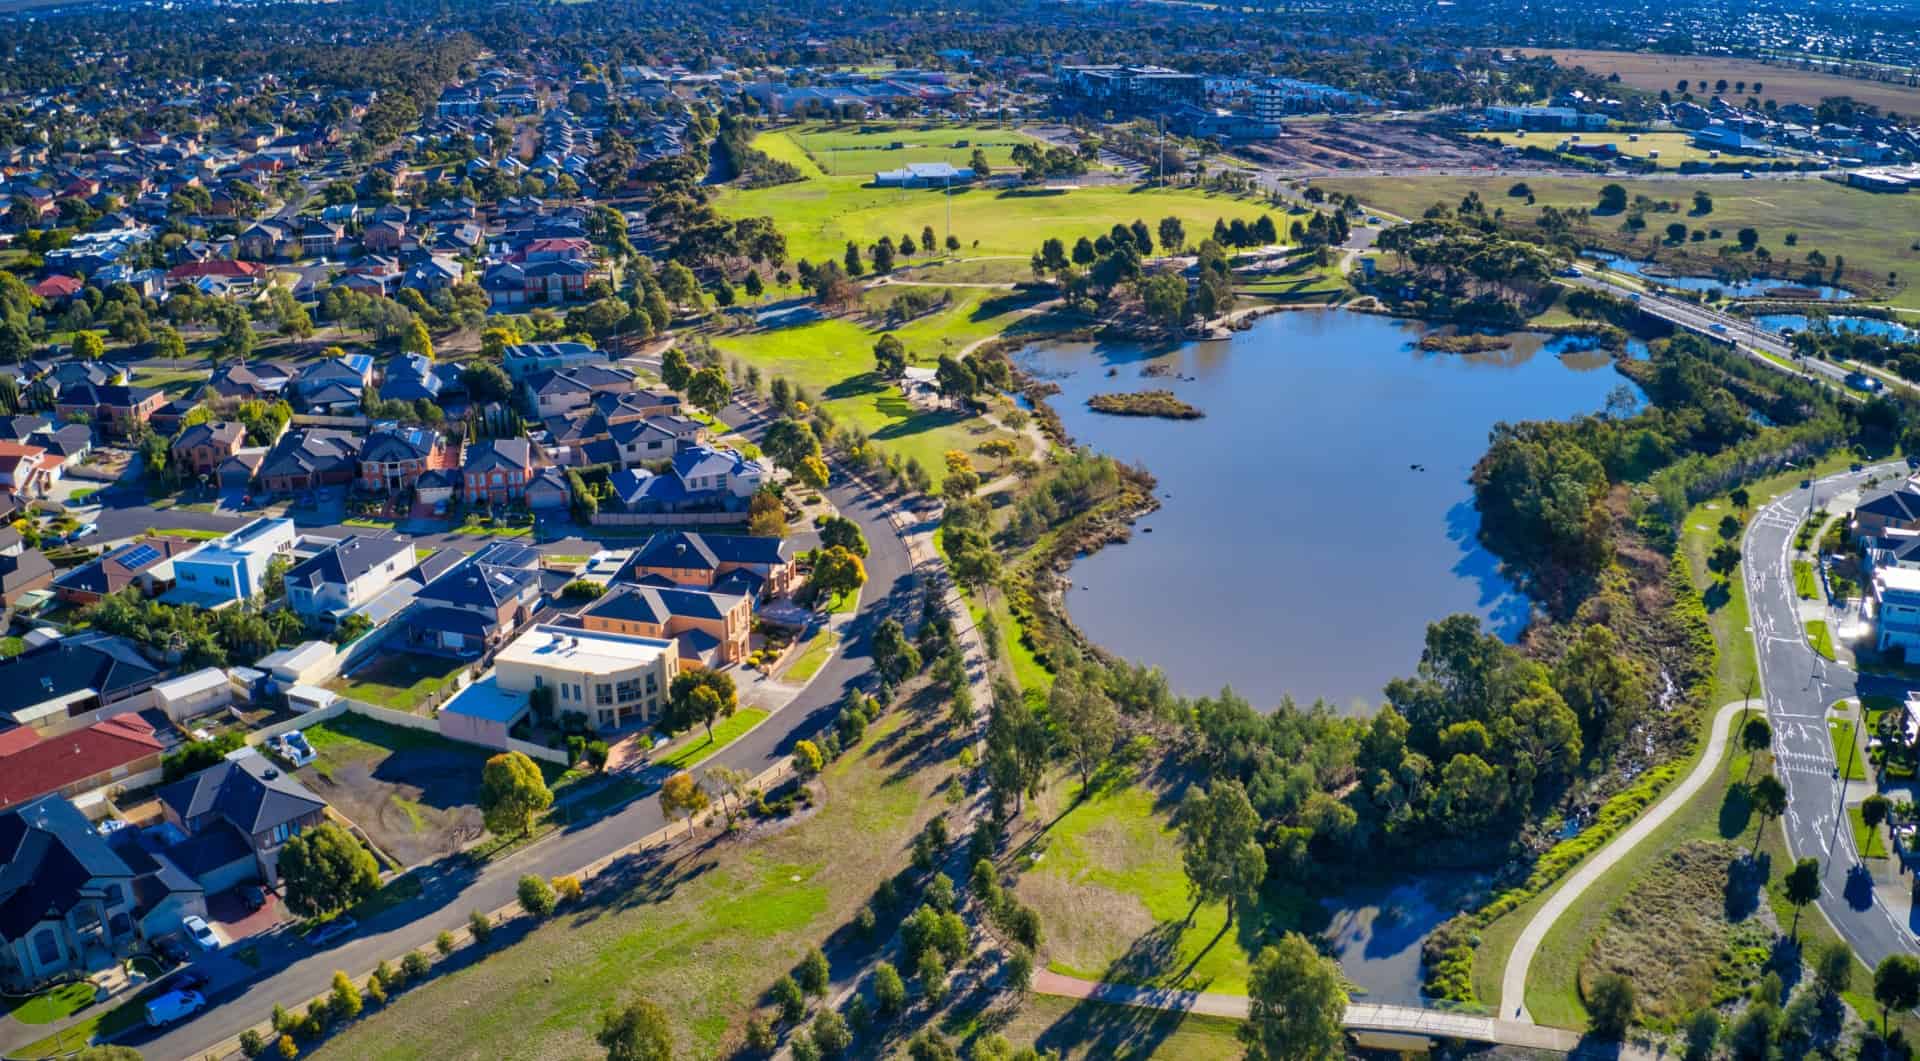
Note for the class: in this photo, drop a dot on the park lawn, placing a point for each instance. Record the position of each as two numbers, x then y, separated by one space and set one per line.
1096 1031
177 382
862 149
1653 72
1805 583
1868 841
728 730
812 657
1301 284
1820 637
1846 756
1028 672
821 215
1674 148
1828 217
781 146
1109 885
702 930
399 680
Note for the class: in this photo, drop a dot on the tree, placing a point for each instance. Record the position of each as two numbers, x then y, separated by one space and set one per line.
807 759
836 573
512 794
1173 235
536 895
1221 852
704 696
1833 967
766 515
417 341
814 975
1873 810
889 992
680 797
1088 724
639 1031
1896 985
1164 296
890 357
674 370
324 869
893 655
1702 203
932 972
1703 1030
1613 199
1749 238
788 442
1611 1005
88 346
1297 1001
486 382
813 472
830 1033
1769 801
1756 736
843 533
1803 887
345 1001
710 390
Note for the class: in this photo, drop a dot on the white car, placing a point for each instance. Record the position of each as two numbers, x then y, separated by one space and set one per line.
296 748
173 1006
200 932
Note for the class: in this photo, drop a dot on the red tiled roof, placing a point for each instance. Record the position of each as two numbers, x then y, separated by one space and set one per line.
57 287
52 763
215 267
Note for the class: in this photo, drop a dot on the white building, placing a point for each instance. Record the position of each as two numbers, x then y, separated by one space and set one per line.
347 574
232 567
613 679
1896 609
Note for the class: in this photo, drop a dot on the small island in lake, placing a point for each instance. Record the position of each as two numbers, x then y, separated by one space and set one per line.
1465 344
1144 403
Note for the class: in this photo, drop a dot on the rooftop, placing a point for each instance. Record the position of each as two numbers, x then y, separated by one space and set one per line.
584 651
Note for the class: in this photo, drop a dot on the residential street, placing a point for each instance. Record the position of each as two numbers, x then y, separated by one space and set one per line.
1799 687
452 892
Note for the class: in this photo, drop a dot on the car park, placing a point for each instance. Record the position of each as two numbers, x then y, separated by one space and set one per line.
174 1006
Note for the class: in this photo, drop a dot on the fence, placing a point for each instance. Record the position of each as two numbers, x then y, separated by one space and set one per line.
317 420
405 719
668 519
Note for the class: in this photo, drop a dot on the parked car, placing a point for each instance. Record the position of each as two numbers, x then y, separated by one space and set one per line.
255 896
174 949
200 932
186 979
174 1006
298 750
338 928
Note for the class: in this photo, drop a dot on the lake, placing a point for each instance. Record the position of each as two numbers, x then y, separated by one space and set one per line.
1755 287
1319 516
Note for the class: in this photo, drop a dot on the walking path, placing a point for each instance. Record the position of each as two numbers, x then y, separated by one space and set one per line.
1513 983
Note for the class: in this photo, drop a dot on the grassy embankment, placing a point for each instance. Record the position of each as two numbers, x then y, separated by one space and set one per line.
702 930
1825 216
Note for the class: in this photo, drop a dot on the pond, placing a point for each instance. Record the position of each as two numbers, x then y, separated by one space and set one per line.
1376 931
1756 287
1800 322
1319 516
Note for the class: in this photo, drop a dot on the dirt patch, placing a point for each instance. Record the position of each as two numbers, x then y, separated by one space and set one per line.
417 804
1783 82
1101 923
1369 145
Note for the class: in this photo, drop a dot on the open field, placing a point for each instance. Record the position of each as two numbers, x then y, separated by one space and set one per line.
416 794
860 149
1781 83
702 928
1095 1031
1875 235
818 216
1674 148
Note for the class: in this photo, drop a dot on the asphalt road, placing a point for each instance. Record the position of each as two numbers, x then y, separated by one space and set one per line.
1799 687
293 973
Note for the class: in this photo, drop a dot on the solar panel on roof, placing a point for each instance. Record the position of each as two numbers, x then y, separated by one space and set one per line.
139 556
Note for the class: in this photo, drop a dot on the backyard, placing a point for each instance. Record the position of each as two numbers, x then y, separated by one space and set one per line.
399 680
701 929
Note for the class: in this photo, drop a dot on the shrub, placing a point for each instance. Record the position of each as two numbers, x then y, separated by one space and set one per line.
830 1033
933 976
802 1049
813 974
597 754
567 888
1020 968
760 1037
443 943
288 1048
251 1043
536 895
940 893
376 991
414 966
791 1000
480 925
889 991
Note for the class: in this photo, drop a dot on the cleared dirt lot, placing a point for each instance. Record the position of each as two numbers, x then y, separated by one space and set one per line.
1357 145
414 793
1782 82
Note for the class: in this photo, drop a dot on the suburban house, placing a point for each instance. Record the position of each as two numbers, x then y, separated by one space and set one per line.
347 574
552 392
524 359
307 458
549 490
70 900
411 378
232 567
497 470
392 459
711 629
473 607
71 442
612 679
1895 599
142 563
203 446
334 383
72 681
27 471
22 570
245 808
115 408
702 478
256 379
754 567
72 764
1894 509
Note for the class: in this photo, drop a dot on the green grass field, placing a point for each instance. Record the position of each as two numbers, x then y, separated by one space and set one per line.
400 680
863 149
1094 1031
1110 889
703 932
1674 148
1875 239
729 729
1848 758
1805 582
1820 637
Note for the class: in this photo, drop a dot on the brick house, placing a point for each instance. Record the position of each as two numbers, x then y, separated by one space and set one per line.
203 446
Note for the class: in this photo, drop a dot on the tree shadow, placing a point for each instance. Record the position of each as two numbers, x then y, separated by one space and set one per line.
1783 959
1859 887
1717 596
1745 879
1103 1029
1736 811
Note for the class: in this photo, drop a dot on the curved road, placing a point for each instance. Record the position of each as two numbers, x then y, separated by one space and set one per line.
1799 687
1513 982
451 891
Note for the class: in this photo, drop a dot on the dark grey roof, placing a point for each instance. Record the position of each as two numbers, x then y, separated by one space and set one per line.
633 602
499 572
250 792
346 560
1901 504
685 549
48 852
67 665
499 453
309 450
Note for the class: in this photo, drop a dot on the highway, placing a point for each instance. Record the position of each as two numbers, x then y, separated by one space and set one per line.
1799 686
